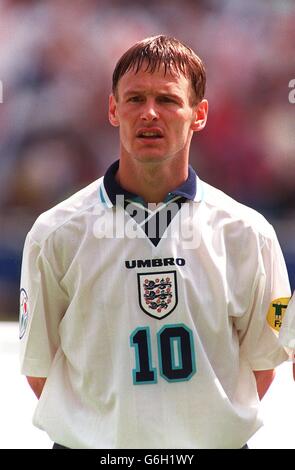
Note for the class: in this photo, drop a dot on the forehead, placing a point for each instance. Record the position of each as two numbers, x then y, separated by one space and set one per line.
157 81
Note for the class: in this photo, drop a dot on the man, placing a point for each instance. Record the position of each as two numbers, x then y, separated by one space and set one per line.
148 316
287 331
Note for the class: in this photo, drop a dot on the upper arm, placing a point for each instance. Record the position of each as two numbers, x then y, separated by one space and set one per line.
45 304
37 384
257 327
264 379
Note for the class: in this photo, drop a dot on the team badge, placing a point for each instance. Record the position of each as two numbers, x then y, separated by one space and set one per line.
24 313
157 293
276 312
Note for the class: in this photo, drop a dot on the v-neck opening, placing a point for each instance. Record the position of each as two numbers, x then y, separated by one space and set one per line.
154 224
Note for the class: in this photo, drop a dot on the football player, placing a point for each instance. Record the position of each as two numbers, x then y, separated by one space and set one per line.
150 299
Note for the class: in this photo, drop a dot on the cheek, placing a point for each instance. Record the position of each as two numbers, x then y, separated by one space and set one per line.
123 133
183 120
126 131
183 127
127 121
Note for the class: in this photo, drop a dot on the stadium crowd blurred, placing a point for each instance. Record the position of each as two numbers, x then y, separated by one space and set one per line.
56 62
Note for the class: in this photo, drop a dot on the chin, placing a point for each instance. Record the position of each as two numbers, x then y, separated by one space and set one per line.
151 158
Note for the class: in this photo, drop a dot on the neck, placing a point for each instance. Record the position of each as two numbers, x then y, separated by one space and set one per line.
151 181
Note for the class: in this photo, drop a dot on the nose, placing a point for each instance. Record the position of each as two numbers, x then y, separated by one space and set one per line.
149 112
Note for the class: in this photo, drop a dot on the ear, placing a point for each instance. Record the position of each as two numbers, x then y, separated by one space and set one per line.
200 118
113 118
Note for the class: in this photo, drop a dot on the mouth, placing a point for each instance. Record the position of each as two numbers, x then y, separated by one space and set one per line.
149 134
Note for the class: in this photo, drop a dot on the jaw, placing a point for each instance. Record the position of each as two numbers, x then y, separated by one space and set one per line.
152 157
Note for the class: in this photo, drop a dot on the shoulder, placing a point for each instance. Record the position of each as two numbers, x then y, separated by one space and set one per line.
231 214
66 213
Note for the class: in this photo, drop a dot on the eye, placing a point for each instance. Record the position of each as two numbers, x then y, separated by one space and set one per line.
166 99
135 99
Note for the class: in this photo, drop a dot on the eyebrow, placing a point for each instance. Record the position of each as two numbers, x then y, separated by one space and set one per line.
132 92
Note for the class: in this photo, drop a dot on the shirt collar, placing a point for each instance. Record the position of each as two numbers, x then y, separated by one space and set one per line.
112 188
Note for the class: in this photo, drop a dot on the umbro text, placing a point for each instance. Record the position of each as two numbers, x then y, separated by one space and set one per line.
153 263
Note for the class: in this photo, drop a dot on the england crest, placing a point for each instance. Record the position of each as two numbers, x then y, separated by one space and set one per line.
157 293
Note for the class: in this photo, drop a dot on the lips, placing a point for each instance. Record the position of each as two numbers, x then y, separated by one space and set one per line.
149 133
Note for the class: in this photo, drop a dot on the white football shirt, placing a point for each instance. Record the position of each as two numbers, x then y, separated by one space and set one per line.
150 341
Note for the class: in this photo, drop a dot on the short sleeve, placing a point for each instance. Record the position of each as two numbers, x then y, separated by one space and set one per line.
287 332
42 306
258 329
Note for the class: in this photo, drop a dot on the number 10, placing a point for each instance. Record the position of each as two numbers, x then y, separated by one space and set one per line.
175 351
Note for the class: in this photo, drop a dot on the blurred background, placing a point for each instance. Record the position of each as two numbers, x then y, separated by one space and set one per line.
56 63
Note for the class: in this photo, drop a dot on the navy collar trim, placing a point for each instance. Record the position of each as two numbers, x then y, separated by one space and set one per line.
112 188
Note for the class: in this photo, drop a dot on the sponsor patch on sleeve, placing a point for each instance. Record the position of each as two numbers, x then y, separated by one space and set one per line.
276 312
24 313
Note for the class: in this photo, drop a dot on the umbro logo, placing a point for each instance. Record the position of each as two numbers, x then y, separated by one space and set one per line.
154 263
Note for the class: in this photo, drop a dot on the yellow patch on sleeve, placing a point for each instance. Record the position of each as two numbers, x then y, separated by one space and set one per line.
276 312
